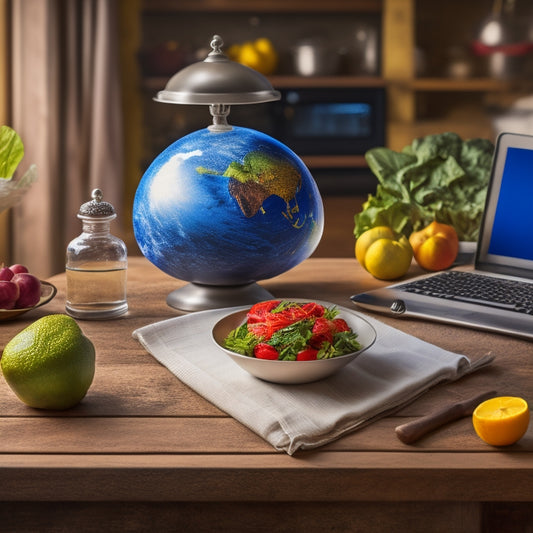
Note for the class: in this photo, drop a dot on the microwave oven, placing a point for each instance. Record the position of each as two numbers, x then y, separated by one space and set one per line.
331 121
321 121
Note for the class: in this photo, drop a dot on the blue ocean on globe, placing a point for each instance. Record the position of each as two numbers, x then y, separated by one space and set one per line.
227 208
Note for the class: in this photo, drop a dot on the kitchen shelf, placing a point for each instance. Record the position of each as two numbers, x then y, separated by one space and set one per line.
334 161
157 83
282 82
466 85
416 84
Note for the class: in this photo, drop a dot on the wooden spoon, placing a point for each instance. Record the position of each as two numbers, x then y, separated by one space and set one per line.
412 431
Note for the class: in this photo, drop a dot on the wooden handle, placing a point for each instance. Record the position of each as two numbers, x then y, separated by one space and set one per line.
412 431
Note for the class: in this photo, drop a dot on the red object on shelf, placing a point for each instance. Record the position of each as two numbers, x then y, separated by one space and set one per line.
512 49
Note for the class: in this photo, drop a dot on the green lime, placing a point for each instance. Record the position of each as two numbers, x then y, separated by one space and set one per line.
50 364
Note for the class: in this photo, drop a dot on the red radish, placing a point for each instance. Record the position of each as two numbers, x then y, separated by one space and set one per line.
9 293
30 290
18 269
6 274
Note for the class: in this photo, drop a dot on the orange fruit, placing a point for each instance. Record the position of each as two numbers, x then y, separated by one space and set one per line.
436 246
501 421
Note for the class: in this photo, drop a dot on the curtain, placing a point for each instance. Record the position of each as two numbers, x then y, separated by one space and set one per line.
66 106
4 118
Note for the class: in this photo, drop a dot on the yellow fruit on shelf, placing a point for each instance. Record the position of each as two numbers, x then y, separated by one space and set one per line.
250 56
384 253
501 421
269 55
259 55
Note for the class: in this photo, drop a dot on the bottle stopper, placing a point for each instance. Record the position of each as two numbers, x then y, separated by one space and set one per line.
97 207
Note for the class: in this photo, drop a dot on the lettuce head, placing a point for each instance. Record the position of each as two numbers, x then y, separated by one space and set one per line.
11 152
437 177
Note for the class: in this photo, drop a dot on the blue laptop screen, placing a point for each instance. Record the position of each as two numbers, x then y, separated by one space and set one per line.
513 218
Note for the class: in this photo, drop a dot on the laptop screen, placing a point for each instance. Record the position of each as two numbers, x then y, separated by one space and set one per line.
506 243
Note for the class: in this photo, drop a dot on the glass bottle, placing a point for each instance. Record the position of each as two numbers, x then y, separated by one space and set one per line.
96 264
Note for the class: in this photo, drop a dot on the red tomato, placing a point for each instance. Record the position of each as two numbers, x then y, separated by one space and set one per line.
265 351
309 354
258 311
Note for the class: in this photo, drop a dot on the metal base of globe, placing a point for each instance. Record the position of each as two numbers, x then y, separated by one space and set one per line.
196 297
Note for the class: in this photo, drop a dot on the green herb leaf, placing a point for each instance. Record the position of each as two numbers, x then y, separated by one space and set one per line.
241 341
344 342
284 304
291 339
327 351
330 312
11 152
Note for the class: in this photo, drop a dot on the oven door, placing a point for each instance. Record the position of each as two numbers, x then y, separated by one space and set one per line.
341 121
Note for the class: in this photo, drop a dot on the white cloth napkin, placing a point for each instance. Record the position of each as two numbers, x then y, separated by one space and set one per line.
391 373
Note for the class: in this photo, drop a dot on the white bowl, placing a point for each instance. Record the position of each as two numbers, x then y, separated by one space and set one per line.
293 372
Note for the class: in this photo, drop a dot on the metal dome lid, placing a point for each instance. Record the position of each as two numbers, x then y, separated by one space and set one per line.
217 80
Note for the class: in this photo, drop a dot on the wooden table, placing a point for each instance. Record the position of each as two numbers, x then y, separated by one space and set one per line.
142 451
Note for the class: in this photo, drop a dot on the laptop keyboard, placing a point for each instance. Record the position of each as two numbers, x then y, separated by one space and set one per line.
476 288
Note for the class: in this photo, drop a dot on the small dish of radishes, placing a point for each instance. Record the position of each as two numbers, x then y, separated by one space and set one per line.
21 291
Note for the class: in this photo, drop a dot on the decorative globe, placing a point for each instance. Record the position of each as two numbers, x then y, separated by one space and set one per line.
227 208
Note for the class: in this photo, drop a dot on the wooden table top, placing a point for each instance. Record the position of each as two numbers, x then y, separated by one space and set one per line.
141 434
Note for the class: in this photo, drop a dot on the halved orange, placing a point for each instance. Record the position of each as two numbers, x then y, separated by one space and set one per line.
501 421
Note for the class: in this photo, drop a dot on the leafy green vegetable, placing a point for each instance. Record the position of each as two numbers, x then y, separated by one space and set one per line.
438 177
291 339
330 312
241 341
343 342
11 152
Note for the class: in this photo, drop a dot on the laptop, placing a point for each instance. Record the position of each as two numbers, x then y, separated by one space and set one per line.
496 294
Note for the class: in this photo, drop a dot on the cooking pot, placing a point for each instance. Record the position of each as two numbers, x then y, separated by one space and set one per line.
313 57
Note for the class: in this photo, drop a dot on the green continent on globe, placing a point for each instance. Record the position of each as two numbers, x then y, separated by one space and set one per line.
259 176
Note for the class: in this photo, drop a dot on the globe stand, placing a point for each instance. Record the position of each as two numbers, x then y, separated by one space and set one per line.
197 297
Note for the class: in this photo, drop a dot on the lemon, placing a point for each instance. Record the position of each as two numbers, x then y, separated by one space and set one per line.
384 253
250 56
369 237
501 421
259 55
269 55
50 364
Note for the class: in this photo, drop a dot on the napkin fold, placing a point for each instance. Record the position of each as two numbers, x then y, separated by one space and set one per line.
393 372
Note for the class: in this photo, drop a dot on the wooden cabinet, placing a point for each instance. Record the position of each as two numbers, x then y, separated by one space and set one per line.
426 95
418 39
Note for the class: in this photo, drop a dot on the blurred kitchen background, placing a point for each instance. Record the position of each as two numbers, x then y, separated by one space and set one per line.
353 74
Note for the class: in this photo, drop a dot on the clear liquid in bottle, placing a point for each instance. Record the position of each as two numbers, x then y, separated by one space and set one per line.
96 264
96 293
